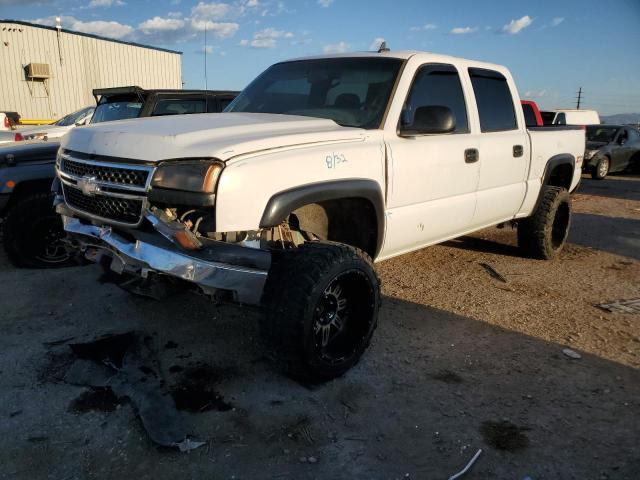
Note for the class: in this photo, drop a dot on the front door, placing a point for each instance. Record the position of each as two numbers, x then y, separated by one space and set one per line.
432 178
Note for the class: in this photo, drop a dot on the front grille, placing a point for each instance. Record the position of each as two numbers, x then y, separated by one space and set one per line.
119 209
103 173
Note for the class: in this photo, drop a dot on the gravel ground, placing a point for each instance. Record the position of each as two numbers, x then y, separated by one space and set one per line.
461 361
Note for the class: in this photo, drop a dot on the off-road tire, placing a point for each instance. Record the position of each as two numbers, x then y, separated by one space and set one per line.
543 234
601 169
32 231
295 293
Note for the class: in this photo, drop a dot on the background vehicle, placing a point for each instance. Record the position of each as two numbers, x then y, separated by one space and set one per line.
59 128
576 117
8 120
547 117
26 171
133 102
611 148
318 168
10 136
532 115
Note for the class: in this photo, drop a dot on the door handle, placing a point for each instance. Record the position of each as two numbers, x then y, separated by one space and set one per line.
471 155
517 151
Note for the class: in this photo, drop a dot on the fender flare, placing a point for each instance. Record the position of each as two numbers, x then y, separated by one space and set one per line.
281 204
555 161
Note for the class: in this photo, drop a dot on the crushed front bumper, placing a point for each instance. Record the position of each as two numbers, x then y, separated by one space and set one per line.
220 266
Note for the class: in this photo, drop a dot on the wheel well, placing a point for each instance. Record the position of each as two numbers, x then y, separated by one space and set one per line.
561 176
29 187
351 221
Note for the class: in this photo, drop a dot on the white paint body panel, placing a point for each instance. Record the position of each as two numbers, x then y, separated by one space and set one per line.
431 193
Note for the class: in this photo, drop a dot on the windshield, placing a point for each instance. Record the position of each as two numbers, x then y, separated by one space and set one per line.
353 92
601 134
74 117
106 112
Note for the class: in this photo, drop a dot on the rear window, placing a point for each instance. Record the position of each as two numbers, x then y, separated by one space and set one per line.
107 112
494 100
179 106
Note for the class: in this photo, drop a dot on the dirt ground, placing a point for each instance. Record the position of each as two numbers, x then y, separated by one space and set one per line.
461 361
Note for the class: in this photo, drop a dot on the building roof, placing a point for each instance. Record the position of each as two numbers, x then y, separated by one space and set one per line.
90 35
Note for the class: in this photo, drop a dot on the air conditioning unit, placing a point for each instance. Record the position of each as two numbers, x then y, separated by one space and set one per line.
38 71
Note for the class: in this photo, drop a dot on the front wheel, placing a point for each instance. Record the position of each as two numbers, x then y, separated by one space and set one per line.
601 169
322 302
544 233
33 234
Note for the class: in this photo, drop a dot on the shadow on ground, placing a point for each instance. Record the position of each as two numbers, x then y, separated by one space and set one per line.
622 186
433 388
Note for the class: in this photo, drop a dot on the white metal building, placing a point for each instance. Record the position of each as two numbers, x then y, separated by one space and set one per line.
48 72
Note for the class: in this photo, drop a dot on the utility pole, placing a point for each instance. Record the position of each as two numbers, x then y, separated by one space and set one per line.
579 98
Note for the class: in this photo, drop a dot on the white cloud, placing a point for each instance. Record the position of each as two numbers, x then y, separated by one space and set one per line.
535 93
463 30
425 27
219 30
96 27
106 3
515 26
159 24
210 11
174 15
266 38
251 3
557 21
325 3
375 45
340 47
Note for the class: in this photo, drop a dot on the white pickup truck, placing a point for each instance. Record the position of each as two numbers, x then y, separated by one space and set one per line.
320 167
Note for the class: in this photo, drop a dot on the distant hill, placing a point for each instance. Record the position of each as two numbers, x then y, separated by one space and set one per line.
621 118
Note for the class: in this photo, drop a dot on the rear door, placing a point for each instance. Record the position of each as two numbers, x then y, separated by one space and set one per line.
503 147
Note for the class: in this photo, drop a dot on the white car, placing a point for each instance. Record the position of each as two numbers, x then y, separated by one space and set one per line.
59 128
576 117
319 168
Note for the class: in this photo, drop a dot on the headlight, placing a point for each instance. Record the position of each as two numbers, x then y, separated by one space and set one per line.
188 175
589 154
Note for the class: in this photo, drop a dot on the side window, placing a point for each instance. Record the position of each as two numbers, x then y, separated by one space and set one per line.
437 84
529 115
494 100
561 119
179 106
633 135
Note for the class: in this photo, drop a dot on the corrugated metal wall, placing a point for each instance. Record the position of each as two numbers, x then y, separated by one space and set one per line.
81 64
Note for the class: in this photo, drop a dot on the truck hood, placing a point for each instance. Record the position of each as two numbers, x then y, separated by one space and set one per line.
213 135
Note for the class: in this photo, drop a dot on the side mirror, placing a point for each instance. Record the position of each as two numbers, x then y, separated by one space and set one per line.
430 120
622 141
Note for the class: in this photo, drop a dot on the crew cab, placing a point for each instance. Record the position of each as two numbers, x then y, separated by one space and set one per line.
31 229
319 168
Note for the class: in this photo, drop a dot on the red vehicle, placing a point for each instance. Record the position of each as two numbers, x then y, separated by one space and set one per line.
531 113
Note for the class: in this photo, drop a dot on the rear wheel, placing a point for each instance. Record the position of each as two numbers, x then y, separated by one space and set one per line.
322 302
543 234
33 234
601 169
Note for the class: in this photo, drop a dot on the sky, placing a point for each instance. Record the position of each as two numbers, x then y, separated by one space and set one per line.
551 47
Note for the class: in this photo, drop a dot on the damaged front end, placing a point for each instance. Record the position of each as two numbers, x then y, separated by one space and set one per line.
133 218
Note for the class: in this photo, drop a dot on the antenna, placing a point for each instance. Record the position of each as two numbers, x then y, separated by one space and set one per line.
206 85
383 47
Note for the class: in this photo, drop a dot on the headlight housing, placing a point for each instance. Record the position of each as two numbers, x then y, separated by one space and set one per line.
589 154
200 176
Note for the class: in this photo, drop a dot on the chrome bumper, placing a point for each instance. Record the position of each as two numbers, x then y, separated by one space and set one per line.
140 257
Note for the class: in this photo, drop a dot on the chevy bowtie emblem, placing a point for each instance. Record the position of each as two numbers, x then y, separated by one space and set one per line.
88 185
